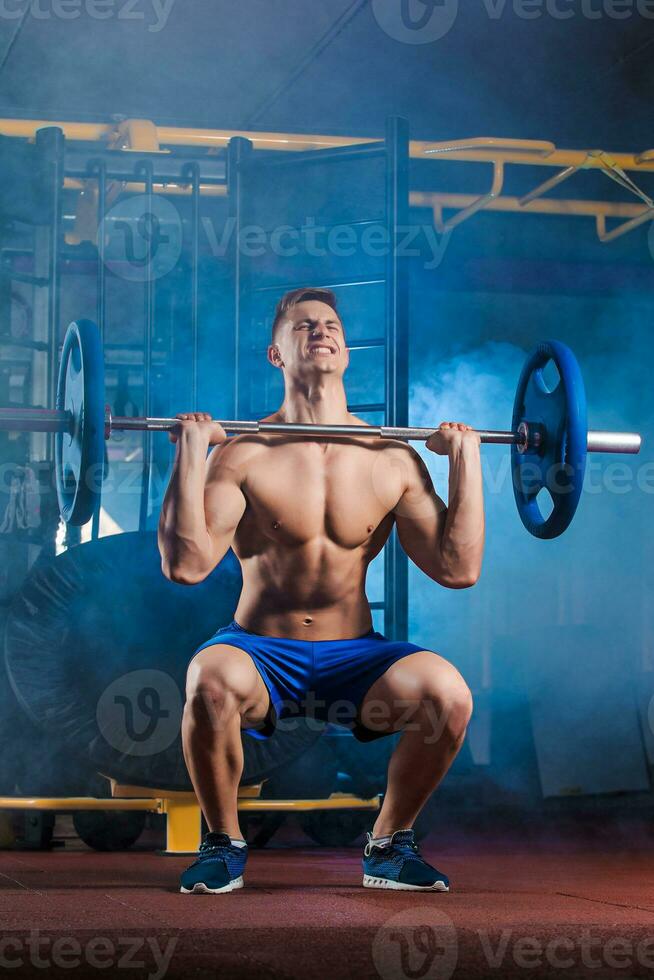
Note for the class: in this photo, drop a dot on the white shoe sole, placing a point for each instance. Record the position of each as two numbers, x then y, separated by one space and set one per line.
202 889
369 881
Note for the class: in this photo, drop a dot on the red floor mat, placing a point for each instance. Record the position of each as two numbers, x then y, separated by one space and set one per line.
566 912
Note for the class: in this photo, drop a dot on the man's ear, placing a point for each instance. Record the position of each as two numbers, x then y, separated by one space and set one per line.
275 356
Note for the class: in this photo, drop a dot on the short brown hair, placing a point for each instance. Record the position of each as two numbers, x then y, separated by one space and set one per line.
302 295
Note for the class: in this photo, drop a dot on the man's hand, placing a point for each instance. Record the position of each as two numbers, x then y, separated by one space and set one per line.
200 427
451 436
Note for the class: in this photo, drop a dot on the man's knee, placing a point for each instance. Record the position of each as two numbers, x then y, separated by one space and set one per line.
456 707
446 707
218 683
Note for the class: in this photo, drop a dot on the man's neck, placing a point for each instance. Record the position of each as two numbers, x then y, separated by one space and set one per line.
319 403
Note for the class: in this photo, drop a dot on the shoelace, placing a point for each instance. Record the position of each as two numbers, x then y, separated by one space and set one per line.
210 849
213 850
408 848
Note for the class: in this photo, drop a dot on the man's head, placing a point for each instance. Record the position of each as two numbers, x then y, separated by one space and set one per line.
307 334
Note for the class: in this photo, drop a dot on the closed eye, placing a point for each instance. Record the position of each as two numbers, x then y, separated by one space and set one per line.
331 324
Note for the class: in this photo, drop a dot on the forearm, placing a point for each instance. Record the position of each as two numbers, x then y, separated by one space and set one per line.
184 541
462 541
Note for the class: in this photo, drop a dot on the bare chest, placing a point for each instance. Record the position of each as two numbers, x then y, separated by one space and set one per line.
305 490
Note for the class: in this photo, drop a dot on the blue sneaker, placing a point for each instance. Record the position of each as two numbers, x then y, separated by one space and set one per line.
218 869
398 864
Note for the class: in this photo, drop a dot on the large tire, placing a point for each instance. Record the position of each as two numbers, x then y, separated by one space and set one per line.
119 637
107 830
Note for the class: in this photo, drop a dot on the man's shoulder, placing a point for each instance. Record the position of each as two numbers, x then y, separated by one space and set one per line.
398 447
237 451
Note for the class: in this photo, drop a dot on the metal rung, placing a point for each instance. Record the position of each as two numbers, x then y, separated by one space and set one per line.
374 407
286 287
38 345
372 344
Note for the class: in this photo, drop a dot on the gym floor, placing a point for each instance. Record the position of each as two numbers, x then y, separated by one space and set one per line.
566 905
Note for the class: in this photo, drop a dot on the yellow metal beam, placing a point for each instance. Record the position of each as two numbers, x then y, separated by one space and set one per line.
64 804
164 804
337 801
182 810
478 149
576 207
127 791
142 135
633 215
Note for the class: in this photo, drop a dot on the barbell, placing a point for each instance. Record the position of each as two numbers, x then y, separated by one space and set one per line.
549 437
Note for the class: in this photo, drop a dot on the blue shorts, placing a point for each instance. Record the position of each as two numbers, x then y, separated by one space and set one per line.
323 679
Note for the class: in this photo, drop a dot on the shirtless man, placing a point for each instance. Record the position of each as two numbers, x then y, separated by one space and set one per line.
305 517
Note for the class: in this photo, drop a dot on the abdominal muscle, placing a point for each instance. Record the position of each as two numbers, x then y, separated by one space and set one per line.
312 592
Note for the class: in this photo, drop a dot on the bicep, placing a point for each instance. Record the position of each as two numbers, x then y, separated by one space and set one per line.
224 500
420 516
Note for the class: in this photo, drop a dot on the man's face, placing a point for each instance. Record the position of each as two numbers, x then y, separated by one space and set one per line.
310 341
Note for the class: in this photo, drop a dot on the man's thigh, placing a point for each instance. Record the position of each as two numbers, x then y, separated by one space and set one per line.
419 679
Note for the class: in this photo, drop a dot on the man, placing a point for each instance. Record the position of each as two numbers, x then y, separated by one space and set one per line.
305 517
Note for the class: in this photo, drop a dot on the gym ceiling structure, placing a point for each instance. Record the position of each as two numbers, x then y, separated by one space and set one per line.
474 181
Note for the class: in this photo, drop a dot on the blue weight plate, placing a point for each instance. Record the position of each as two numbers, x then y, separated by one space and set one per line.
79 454
559 464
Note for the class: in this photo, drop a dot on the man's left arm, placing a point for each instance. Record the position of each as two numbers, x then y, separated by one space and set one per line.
446 543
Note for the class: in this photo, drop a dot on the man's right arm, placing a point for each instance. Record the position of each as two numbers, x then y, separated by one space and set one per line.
202 507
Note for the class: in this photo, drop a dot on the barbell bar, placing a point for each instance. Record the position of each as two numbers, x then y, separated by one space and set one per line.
549 437
50 420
